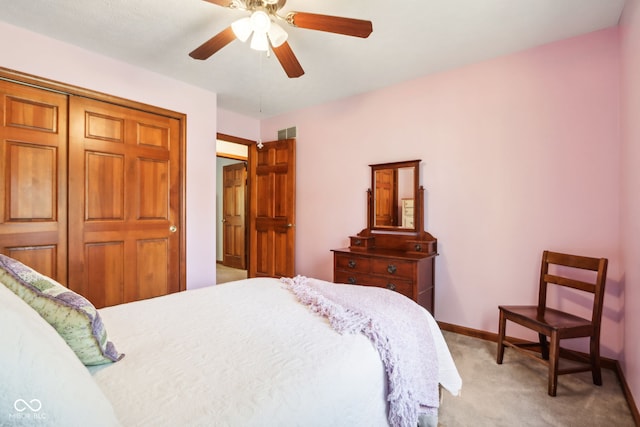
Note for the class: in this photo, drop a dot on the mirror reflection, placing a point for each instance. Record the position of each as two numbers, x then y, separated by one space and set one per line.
394 192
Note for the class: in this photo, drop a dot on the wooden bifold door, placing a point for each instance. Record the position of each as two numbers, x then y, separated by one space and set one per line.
33 169
123 203
92 193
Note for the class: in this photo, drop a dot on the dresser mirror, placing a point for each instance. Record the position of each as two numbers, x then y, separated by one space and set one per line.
394 204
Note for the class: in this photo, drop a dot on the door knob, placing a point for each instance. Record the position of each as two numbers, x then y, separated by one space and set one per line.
173 228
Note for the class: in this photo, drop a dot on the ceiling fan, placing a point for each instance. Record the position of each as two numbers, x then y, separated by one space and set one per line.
267 33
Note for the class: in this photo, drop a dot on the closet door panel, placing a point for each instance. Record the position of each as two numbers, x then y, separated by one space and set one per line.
129 193
104 263
103 127
31 182
33 170
104 186
41 258
152 274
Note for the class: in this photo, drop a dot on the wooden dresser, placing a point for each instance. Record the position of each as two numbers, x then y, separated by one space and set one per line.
394 251
403 263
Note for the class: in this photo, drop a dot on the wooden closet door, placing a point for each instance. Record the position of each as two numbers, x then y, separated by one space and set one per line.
124 201
33 170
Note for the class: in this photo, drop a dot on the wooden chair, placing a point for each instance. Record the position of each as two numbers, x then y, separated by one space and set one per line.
556 324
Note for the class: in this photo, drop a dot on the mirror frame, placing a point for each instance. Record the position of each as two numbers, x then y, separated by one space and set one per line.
417 205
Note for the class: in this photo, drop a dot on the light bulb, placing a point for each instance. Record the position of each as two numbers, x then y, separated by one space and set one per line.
242 28
260 21
277 35
259 41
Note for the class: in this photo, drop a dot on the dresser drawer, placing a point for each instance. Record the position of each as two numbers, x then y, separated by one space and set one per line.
350 277
405 287
348 262
393 268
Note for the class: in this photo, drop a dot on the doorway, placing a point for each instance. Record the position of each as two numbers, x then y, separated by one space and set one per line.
231 209
269 205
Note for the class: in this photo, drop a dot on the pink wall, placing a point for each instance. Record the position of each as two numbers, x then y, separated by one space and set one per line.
630 203
520 154
49 58
234 124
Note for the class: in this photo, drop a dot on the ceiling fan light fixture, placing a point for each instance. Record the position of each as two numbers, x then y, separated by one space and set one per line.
242 29
277 35
267 34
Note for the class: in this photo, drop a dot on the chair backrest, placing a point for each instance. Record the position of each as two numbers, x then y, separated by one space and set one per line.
595 287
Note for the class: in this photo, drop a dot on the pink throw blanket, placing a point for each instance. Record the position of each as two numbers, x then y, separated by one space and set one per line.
399 330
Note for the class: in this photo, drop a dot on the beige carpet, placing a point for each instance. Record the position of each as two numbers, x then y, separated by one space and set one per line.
226 274
515 393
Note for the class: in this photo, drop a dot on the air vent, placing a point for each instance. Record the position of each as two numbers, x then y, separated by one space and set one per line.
287 133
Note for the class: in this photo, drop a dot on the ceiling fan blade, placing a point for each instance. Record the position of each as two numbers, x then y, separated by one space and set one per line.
288 60
223 3
331 24
214 44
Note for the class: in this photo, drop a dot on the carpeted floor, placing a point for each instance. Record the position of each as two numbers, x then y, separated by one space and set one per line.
226 274
515 393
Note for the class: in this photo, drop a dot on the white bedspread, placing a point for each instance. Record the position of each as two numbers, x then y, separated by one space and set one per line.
245 353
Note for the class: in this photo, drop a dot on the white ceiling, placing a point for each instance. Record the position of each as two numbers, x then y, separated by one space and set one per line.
410 39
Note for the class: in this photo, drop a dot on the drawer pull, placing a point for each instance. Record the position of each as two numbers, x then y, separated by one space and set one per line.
352 280
357 242
352 263
391 286
418 247
391 269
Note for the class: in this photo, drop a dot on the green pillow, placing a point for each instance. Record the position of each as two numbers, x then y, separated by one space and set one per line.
72 315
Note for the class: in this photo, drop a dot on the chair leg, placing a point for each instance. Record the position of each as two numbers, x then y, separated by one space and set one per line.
501 332
554 355
596 372
544 346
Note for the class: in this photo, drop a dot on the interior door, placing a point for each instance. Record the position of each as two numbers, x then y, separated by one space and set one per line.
233 215
33 167
272 209
124 202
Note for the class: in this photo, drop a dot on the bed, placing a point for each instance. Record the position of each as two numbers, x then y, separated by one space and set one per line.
246 353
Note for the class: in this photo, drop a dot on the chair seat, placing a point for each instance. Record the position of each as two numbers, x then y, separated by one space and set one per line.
550 320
